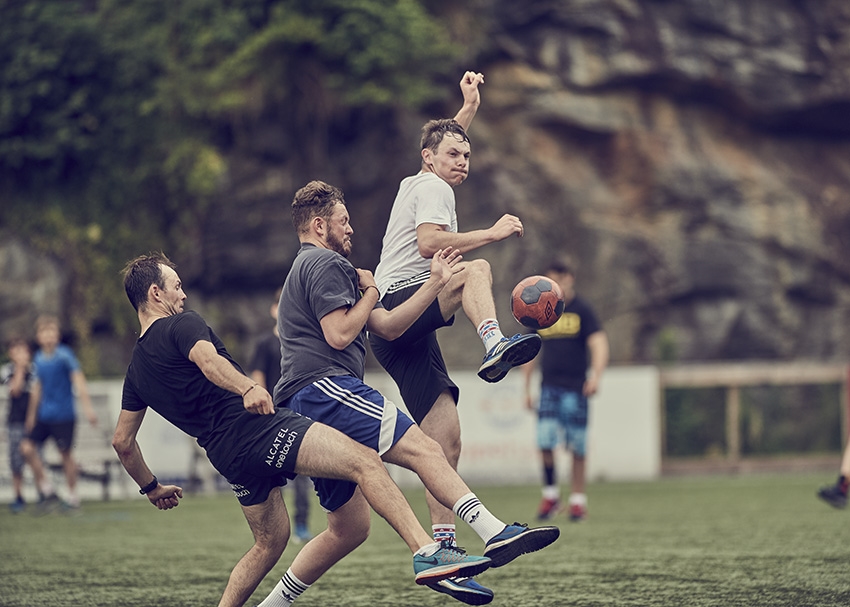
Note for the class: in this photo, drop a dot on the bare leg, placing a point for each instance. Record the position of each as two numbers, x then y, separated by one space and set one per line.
442 425
348 527
30 453
419 453
69 466
269 522
328 453
577 482
845 460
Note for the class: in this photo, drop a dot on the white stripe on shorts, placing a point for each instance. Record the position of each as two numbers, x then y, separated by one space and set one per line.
348 398
387 412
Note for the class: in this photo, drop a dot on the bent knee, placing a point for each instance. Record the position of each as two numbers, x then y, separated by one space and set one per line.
479 266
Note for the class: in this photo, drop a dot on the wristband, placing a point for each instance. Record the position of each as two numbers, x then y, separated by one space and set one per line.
248 390
150 486
371 287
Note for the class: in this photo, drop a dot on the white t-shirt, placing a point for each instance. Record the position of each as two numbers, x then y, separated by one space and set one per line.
422 198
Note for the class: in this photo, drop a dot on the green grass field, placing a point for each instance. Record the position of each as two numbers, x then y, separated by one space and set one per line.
762 540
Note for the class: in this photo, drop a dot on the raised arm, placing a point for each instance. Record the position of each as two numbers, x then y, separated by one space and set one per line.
471 98
390 324
32 408
342 326
124 442
223 374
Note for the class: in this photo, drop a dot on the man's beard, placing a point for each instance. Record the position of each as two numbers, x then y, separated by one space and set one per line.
334 244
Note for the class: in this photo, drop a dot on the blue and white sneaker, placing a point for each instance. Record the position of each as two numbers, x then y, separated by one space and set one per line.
508 353
464 589
516 540
447 561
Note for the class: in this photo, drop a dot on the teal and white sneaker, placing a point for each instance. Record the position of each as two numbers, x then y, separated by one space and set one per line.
516 540
447 561
510 352
464 589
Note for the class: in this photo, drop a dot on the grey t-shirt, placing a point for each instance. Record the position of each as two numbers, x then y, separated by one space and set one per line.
319 282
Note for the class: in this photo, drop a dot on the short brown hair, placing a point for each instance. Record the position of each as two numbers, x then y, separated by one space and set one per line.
434 130
316 199
142 272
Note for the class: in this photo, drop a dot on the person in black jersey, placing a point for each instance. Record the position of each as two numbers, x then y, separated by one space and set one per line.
265 370
181 370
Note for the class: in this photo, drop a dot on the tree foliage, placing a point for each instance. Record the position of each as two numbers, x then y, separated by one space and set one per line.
117 118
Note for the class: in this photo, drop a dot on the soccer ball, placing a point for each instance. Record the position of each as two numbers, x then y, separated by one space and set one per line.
537 302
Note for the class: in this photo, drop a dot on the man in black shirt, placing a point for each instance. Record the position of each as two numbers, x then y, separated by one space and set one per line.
181 370
573 357
265 370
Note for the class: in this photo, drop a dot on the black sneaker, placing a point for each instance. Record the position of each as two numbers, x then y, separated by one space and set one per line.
516 540
508 353
833 496
464 589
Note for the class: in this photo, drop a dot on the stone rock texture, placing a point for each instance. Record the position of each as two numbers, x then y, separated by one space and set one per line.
692 155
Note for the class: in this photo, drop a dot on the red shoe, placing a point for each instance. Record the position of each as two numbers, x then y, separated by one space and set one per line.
578 512
548 508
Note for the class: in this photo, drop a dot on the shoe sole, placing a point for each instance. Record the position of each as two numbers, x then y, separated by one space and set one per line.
519 354
438 574
834 503
464 596
532 540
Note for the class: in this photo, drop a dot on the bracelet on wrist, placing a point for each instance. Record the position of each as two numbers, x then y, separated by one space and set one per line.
150 486
248 390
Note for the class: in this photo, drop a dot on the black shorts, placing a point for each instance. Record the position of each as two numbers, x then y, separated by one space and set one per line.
62 433
414 360
270 460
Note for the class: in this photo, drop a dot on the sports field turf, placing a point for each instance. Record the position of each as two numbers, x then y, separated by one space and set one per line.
743 541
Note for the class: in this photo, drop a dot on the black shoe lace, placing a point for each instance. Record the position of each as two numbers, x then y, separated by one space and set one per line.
449 545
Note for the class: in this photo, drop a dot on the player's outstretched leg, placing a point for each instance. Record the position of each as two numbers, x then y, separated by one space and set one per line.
518 539
509 352
464 589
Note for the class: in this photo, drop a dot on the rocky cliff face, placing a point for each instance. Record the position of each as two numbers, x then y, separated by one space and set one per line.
692 155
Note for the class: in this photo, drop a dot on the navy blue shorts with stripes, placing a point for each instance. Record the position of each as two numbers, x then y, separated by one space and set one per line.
359 411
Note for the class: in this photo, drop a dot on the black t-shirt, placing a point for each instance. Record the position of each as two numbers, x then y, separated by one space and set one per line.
267 359
563 357
19 404
162 377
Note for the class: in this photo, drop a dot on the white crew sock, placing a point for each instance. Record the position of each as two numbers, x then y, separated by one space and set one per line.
551 492
444 531
473 512
490 333
287 590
